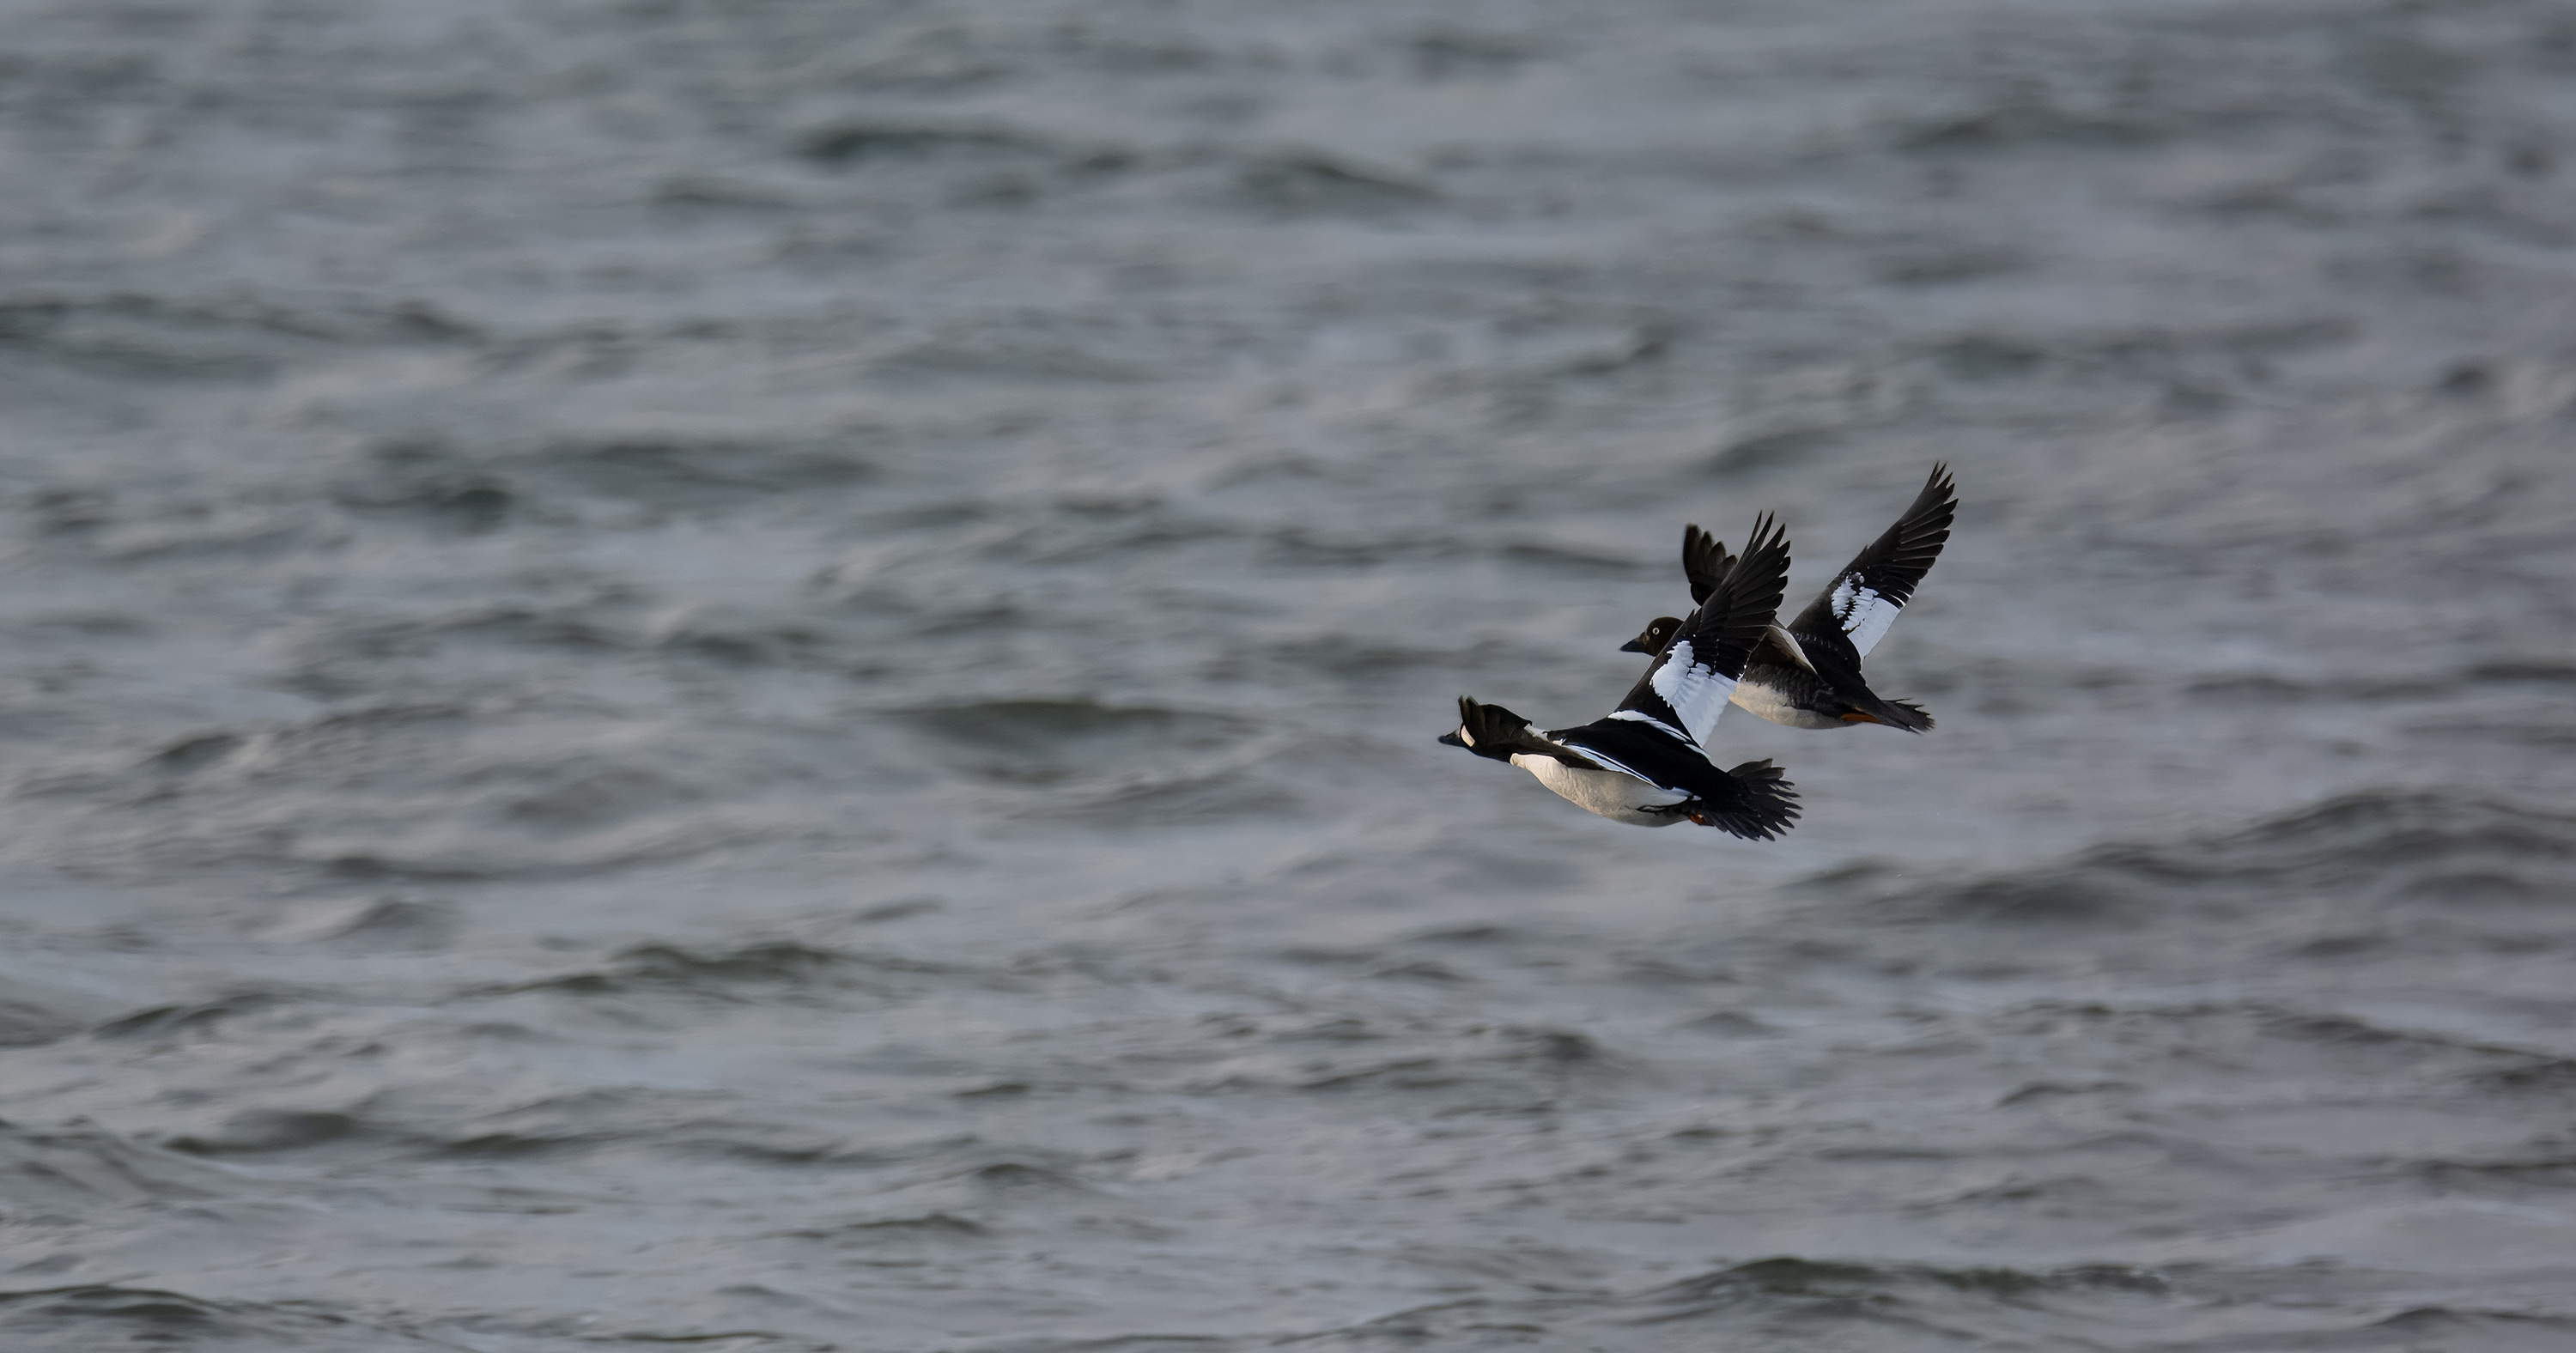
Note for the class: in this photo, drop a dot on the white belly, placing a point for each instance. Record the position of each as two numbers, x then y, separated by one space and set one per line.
1765 702
1607 792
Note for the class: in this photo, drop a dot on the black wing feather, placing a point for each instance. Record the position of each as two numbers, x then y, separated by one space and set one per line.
1704 561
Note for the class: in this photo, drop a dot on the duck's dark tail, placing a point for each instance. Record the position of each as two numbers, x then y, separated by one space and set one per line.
1761 808
1903 714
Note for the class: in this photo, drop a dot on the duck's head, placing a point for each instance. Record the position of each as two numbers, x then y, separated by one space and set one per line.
1487 730
1656 635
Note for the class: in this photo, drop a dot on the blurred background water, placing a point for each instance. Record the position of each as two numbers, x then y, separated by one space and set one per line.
763 675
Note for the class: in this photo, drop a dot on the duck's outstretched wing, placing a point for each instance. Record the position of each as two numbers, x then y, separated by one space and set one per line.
1876 584
1687 687
1705 563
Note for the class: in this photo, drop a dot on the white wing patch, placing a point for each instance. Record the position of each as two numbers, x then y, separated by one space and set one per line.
1695 691
1649 720
1596 758
1865 615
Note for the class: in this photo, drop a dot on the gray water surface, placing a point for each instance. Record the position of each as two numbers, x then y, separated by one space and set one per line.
762 676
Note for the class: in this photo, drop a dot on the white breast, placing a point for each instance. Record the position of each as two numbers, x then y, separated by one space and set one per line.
1612 795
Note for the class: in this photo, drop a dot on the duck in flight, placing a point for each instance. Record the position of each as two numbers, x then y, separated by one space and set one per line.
1808 676
1647 763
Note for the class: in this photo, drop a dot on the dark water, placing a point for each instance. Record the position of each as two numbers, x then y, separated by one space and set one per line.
762 676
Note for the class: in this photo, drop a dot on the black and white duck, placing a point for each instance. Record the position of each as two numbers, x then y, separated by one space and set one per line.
1647 763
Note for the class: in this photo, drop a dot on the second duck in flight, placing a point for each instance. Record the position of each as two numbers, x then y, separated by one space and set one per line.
1809 677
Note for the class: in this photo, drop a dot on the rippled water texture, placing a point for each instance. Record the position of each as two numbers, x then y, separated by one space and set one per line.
763 675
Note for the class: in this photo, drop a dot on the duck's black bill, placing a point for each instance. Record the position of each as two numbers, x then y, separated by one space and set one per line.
1451 739
1636 645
